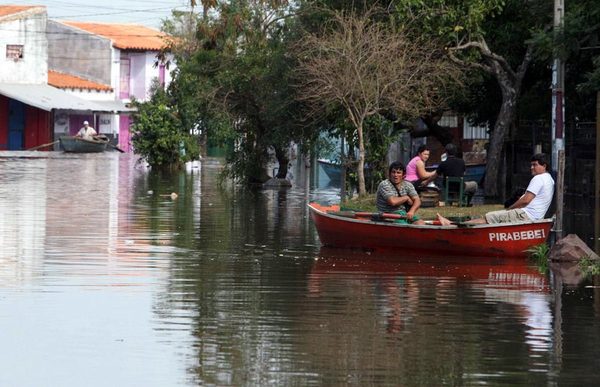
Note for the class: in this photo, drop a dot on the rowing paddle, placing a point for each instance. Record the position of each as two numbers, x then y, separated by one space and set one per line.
116 147
372 215
42 146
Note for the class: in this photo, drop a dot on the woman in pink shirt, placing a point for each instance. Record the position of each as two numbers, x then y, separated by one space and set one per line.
415 170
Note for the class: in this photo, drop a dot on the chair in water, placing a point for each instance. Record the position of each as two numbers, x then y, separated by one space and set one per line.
454 191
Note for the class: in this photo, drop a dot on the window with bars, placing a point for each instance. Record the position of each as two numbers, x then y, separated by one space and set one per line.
14 52
472 132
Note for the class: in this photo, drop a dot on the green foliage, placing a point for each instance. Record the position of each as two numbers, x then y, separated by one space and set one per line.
589 266
539 255
238 71
591 81
158 135
380 133
453 19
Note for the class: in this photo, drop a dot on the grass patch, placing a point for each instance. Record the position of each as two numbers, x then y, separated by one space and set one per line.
368 204
589 266
539 255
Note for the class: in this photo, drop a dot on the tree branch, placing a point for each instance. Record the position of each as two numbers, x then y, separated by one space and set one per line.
483 48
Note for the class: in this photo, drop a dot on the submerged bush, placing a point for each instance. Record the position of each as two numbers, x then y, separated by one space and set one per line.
158 135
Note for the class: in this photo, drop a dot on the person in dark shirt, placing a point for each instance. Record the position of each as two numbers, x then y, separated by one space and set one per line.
454 166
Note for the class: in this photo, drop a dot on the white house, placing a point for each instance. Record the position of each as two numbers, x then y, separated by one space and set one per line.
108 63
28 105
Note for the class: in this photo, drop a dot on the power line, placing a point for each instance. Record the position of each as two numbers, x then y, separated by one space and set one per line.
124 11
60 8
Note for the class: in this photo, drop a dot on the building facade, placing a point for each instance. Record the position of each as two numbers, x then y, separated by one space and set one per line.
120 61
55 75
23 61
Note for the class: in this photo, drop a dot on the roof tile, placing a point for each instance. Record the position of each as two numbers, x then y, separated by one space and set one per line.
6 10
125 36
67 81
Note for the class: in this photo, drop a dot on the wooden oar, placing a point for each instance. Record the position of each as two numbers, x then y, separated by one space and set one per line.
116 147
42 146
362 214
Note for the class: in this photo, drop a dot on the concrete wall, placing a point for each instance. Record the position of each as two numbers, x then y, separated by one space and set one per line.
107 123
80 53
29 30
143 72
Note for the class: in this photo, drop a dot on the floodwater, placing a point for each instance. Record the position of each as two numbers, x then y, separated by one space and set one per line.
107 279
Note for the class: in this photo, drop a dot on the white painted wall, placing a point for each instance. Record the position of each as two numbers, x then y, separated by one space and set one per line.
152 72
139 69
115 71
29 30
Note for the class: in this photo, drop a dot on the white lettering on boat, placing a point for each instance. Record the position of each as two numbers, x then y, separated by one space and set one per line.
516 235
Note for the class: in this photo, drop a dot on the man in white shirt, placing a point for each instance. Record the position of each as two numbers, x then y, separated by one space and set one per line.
86 132
532 205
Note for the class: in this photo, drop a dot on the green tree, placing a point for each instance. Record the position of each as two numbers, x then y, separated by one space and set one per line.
238 72
492 36
158 135
361 64
577 44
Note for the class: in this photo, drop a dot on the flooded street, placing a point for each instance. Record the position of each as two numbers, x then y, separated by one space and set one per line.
106 278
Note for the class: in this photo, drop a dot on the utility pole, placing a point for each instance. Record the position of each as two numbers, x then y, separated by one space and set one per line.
558 84
597 178
558 122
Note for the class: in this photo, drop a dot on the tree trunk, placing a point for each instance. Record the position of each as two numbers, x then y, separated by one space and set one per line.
510 84
283 160
498 135
257 174
360 171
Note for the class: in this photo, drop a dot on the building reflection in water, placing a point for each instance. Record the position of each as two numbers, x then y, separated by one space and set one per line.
83 210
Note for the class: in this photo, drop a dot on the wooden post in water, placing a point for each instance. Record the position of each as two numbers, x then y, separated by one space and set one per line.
597 179
343 175
560 189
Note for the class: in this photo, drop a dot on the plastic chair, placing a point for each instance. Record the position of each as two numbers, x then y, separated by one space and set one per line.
454 191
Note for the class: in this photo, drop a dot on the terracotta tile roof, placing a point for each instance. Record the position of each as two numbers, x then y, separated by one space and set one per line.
6 10
125 36
67 81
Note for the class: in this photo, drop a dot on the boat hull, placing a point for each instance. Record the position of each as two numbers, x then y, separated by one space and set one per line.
79 145
509 240
332 170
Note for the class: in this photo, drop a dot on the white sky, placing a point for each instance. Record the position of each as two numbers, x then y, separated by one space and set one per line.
144 12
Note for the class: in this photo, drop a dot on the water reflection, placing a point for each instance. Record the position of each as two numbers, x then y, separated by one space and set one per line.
102 268
401 287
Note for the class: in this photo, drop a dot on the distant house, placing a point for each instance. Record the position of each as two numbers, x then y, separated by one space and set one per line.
29 107
107 62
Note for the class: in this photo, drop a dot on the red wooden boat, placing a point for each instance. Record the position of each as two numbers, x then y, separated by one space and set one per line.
336 229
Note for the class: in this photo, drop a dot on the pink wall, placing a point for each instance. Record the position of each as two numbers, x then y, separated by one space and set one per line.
124 135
